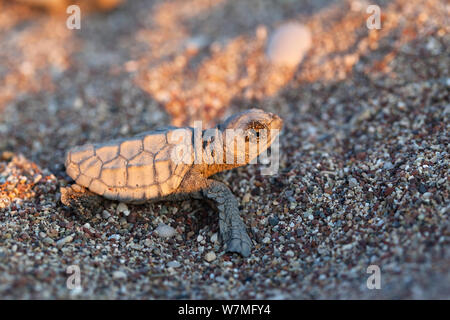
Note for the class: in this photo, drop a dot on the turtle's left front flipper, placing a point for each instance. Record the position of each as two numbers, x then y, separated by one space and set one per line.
232 229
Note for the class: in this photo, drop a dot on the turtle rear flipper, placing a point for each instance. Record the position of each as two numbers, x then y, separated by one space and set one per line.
83 202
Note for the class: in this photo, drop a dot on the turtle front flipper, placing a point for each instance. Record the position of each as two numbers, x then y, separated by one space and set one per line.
232 229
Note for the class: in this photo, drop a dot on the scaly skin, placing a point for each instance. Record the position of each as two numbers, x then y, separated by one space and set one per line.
193 184
232 230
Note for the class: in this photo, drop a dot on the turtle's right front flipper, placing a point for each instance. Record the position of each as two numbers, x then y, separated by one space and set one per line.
232 229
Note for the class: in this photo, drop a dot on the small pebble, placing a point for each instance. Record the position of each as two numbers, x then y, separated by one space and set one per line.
276 253
266 240
122 208
273 221
290 253
106 214
148 242
48 241
427 195
60 243
37 178
174 264
353 182
422 188
210 256
387 165
165 231
115 237
195 44
119 275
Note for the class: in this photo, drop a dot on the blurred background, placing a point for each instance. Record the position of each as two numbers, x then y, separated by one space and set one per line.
137 64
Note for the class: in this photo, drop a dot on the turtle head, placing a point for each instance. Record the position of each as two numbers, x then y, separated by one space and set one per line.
249 133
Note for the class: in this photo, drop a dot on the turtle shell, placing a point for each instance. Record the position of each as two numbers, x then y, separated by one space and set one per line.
148 166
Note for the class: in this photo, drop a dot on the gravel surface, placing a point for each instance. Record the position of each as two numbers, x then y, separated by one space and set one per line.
364 157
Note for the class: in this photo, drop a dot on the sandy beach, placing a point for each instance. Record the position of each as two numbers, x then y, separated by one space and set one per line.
363 174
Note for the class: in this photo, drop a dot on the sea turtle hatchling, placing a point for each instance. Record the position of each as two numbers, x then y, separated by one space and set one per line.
169 164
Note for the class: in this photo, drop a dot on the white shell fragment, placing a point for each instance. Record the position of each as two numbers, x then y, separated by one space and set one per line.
165 231
289 44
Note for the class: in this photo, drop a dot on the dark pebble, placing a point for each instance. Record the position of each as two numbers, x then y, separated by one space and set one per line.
273 221
324 137
289 193
248 279
422 188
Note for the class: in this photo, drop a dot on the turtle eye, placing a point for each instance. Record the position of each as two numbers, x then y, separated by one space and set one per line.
257 125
